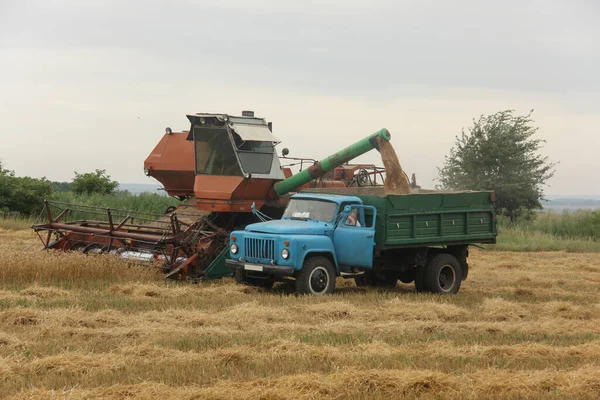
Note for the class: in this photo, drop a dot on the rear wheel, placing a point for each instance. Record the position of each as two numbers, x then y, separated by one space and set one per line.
443 274
407 276
317 277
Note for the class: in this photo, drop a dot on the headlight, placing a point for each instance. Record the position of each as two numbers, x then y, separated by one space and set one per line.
146 171
234 248
285 253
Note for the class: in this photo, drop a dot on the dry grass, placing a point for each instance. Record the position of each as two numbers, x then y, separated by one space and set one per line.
525 325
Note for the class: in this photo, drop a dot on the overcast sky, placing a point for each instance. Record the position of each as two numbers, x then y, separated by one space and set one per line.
93 84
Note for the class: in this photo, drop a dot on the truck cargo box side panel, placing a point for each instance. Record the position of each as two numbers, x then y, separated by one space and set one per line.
433 219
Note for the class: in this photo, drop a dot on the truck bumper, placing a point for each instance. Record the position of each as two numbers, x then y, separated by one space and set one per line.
275 270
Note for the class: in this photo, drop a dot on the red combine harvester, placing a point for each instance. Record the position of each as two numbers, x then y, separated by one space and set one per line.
224 170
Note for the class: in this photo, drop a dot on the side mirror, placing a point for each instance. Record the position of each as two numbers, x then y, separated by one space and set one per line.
285 151
347 209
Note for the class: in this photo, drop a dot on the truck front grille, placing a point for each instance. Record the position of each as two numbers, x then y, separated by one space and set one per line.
261 249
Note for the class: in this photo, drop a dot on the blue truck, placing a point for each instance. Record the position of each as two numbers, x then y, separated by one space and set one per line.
364 234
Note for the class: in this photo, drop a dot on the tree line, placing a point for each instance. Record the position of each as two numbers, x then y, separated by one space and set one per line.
25 195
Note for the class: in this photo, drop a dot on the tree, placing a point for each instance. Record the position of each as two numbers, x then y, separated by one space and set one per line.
23 195
94 182
62 186
5 188
499 153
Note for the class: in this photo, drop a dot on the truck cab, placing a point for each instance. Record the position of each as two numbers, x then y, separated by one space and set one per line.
319 237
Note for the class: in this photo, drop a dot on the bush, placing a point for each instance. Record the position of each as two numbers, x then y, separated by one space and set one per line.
23 195
94 182
581 224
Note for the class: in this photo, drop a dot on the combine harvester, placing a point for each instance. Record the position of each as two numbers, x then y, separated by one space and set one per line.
222 167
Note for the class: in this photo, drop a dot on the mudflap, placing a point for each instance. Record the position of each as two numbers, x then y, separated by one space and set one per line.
217 269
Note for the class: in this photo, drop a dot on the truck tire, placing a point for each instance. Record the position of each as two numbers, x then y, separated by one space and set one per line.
242 279
443 274
317 277
407 276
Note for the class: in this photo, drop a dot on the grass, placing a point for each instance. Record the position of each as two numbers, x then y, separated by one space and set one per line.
548 231
581 224
524 325
519 239
12 222
143 202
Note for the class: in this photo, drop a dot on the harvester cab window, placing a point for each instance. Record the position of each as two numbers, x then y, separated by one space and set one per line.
256 157
214 152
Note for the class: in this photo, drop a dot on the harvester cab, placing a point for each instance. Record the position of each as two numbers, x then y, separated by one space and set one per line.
235 161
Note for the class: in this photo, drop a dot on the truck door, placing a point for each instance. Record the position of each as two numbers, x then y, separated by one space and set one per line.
354 242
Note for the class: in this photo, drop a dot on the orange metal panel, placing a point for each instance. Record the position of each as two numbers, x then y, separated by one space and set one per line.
172 164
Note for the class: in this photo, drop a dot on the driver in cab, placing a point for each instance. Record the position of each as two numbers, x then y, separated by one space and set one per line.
353 218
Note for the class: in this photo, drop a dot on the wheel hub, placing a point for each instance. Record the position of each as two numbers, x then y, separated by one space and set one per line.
319 280
446 278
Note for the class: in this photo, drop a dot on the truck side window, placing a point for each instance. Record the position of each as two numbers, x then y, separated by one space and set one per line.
368 218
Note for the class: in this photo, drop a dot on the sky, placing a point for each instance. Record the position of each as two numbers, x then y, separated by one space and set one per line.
93 84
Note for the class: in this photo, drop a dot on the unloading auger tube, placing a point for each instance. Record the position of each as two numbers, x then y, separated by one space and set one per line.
322 167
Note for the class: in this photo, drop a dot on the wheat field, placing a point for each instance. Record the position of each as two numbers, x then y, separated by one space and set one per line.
524 325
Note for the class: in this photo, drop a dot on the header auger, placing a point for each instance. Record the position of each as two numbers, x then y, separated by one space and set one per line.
219 168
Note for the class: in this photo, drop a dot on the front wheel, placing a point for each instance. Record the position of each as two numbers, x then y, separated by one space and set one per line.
317 277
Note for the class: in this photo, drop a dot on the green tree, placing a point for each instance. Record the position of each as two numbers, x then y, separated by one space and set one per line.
62 186
499 153
5 188
94 182
23 195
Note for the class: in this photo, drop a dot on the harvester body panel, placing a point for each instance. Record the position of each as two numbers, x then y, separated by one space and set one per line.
171 163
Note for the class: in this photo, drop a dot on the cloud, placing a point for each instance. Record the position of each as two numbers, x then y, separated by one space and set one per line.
343 47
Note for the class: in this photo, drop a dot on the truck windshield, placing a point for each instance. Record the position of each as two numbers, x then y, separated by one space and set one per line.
214 152
321 210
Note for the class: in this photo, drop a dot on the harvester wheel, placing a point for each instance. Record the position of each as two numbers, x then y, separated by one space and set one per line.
317 277
443 274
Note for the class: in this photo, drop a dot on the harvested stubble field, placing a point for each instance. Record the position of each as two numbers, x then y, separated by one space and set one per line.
524 325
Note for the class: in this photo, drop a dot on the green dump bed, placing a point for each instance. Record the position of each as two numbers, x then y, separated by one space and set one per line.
428 218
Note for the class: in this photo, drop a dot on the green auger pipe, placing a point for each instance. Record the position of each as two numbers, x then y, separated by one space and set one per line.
328 164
